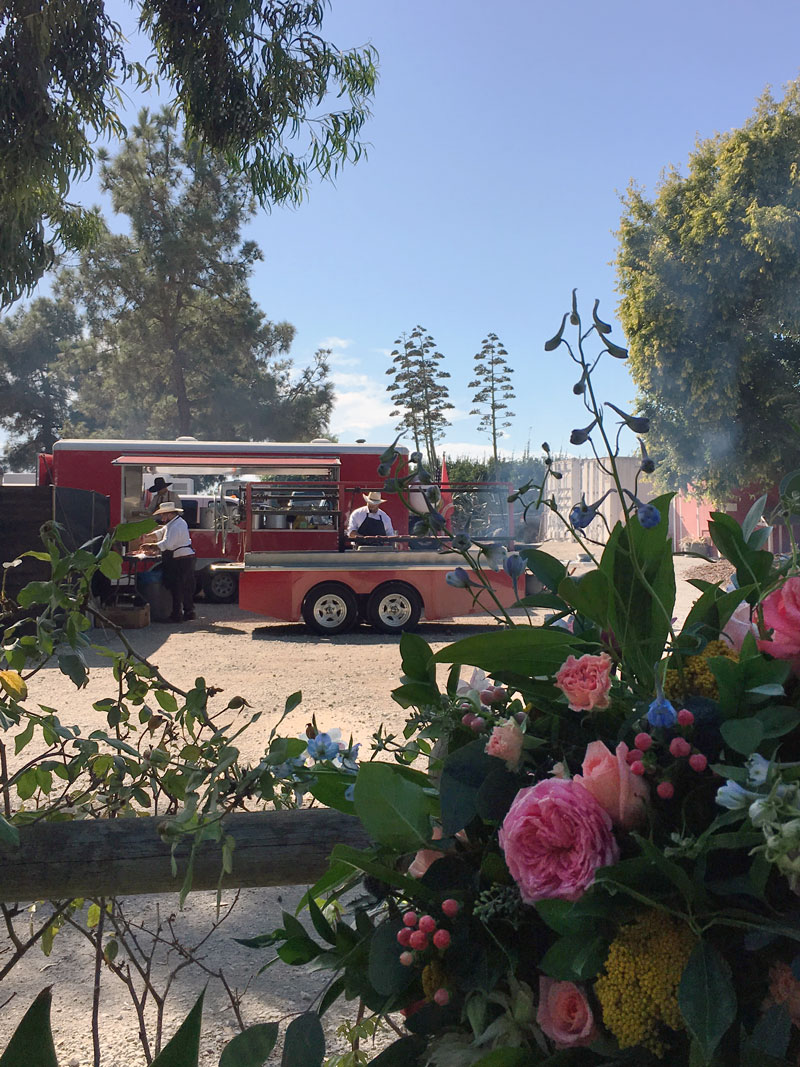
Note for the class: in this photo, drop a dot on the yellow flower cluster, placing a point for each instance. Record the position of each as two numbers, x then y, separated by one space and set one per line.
433 978
638 991
696 678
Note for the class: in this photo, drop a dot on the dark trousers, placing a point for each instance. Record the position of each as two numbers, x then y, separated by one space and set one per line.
178 577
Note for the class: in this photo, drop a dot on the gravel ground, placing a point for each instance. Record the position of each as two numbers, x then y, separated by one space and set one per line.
346 682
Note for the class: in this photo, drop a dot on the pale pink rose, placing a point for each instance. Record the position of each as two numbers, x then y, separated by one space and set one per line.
506 743
426 856
564 1014
609 779
738 626
782 616
784 989
554 837
586 681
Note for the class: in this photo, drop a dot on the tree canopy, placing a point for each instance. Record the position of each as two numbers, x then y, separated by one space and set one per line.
170 341
251 81
709 272
419 391
492 385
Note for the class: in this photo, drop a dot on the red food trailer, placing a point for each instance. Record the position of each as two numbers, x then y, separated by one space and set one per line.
275 528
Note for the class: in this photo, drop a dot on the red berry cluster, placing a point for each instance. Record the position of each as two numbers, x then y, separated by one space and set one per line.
418 932
679 748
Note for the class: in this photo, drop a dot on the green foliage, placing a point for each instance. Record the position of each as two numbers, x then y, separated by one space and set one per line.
251 83
31 1044
176 345
707 998
419 392
34 395
493 387
708 272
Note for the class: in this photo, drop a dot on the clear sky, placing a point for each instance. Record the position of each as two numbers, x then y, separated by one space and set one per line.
503 133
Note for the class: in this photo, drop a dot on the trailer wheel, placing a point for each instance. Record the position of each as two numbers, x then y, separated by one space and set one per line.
394 607
330 608
220 587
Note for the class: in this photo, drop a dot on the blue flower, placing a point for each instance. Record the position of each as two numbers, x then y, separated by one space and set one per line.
581 515
349 758
323 747
459 578
580 437
661 712
350 792
734 796
757 769
649 516
461 541
514 565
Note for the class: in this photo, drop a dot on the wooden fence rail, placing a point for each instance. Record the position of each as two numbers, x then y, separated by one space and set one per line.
126 857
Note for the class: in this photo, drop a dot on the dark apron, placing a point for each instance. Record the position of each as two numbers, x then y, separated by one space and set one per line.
372 527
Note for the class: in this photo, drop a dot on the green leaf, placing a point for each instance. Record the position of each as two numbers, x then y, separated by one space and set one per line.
129 531
9 835
31 1044
463 775
575 958
166 701
27 784
320 923
24 737
250 1048
504 1057
183 1049
778 720
549 570
35 593
402 1053
772 1031
111 565
543 651
74 668
417 658
304 1045
386 973
394 811
706 998
743 735
753 517
589 594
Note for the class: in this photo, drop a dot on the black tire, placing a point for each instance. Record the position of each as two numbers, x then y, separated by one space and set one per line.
330 608
394 607
220 587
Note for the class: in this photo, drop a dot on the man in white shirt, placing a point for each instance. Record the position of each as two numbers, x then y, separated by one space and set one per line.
370 520
177 555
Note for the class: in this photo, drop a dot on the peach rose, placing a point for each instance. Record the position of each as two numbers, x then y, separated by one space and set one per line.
784 989
738 626
426 856
617 790
586 681
506 743
564 1014
782 615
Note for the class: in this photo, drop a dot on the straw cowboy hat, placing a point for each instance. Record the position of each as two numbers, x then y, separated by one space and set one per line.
168 508
158 485
374 498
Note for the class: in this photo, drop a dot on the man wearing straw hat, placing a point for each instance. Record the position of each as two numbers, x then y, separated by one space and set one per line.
177 555
370 521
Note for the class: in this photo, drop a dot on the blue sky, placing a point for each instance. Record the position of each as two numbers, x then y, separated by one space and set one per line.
502 136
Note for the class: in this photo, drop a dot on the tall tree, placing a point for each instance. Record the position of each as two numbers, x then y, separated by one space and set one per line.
709 272
34 395
419 392
493 387
251 81
176 346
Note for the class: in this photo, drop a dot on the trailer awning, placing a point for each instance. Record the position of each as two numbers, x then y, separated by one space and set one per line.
174 463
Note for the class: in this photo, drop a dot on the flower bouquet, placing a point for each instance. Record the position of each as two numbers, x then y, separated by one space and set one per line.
601 864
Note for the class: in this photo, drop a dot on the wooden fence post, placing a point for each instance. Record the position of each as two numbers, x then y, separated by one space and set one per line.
126 857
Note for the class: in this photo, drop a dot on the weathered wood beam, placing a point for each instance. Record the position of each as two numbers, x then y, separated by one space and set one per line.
126 857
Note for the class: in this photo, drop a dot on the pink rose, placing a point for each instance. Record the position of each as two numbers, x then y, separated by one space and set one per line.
613 785
506 743
784 989
586 681
564 1014
782 616
554 837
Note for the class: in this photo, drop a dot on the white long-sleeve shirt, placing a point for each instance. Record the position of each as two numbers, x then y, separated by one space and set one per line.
174 537
358 516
